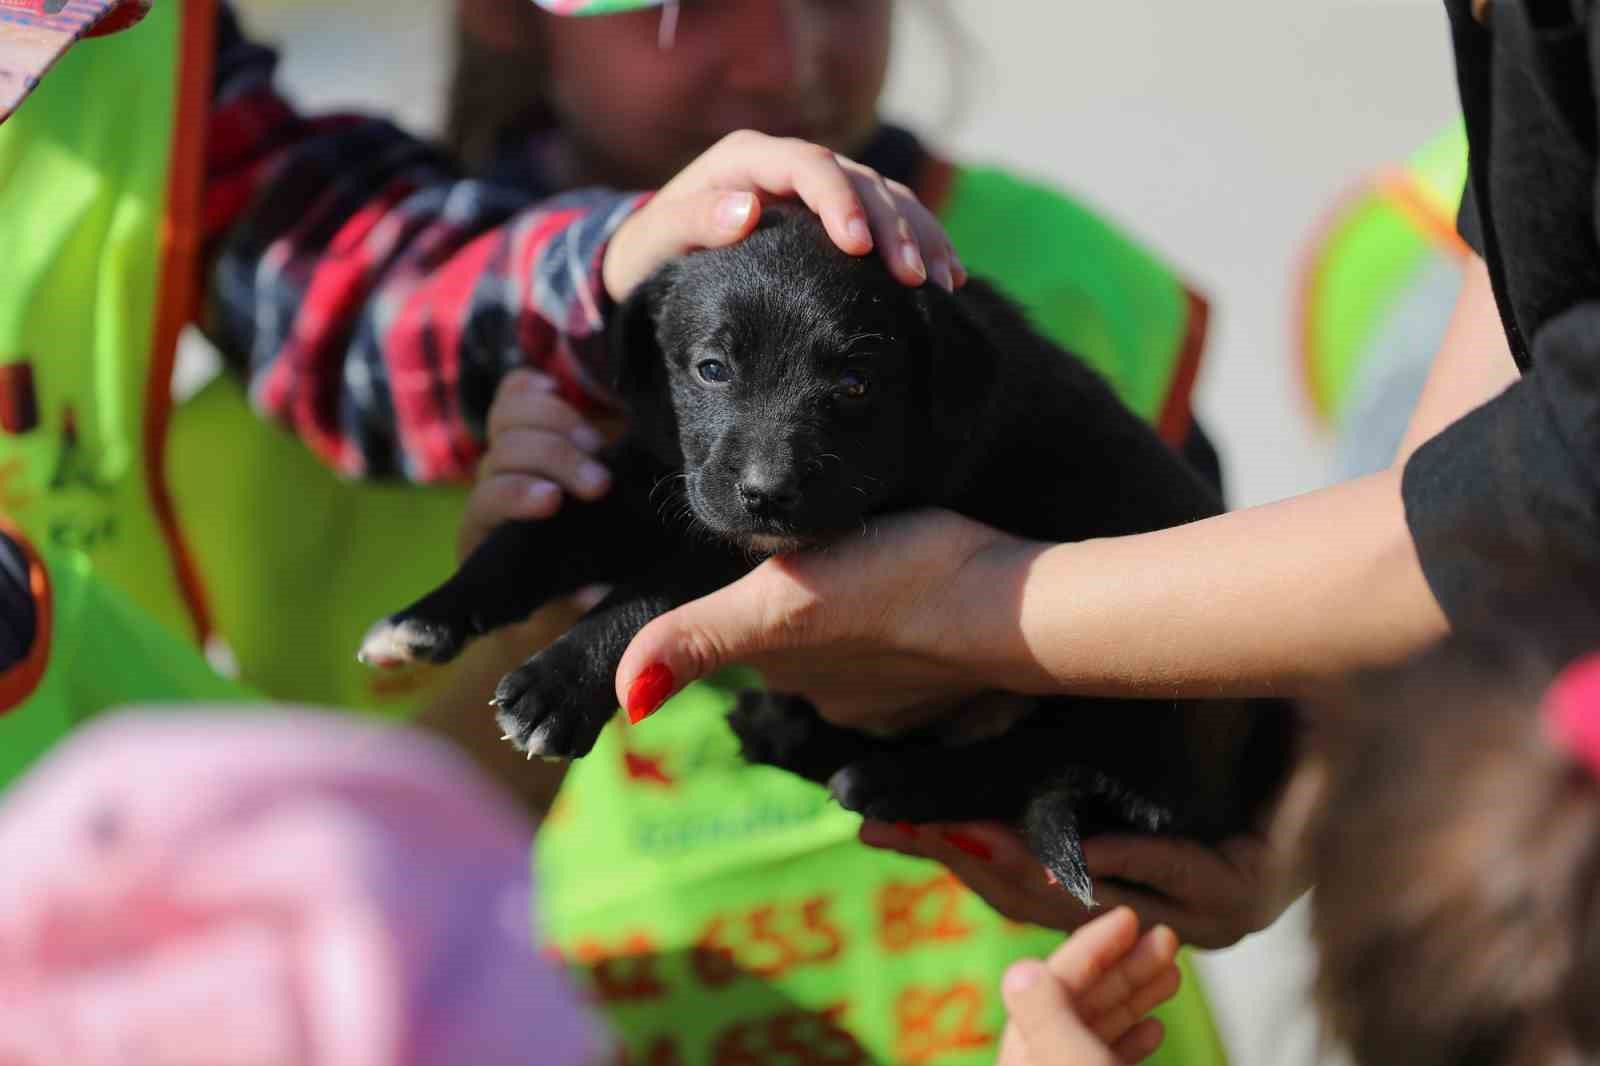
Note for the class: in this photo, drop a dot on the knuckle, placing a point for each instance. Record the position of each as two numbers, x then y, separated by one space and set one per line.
548 411
703 650
815 152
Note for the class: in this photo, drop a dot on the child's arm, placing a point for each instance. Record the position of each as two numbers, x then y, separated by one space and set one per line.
1089 1004
376 297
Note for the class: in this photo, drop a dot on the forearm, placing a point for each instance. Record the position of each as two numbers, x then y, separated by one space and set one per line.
1264 600
1261 601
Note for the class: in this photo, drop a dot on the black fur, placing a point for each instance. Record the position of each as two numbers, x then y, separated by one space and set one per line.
780 392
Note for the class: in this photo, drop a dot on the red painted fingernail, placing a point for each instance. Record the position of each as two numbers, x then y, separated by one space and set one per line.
907 828
649 691
969 844
1050 876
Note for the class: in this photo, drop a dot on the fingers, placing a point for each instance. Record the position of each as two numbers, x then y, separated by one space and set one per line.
892 233
1142 1041
1212 896
783 167
991 861
858 207
1089 955
764 610
909 238
539 447
1139 965
1154 909
1044 1017
1114 976
526 399
716 200
535 455
535 435
671 225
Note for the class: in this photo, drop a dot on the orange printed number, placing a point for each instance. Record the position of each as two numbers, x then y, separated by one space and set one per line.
931 1022
766 942
921 912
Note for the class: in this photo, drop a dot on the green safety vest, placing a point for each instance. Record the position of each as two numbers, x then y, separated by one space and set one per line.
724 911
724 914
94 649
208 521
99 219
1373 245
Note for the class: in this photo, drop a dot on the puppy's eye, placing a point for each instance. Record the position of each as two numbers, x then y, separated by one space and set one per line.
713 372
852 385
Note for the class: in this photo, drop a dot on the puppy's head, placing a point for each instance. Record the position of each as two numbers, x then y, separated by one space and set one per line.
802 388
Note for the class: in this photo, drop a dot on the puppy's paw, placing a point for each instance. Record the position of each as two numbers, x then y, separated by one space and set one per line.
877 790
545 714
401 639
786 731
771 728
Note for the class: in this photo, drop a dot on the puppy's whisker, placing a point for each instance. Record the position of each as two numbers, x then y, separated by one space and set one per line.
666 481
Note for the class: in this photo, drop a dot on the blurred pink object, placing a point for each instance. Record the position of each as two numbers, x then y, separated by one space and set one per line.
193 889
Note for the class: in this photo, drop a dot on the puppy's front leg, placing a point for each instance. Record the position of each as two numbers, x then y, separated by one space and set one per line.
556 704
519 567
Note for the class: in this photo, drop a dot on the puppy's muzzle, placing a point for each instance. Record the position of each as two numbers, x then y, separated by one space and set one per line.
768 494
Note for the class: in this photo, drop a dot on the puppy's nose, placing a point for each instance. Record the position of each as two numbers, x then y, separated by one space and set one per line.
767 493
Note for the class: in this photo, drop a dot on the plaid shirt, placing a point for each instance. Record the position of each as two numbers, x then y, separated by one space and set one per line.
372 294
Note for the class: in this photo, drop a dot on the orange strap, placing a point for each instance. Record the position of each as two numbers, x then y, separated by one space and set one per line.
180 283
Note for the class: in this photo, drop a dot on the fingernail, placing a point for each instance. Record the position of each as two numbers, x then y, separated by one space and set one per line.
1051 878
969 844
859 231
1023 975
733 210
913 260
541 491
649 691
592 477
587 437
958 267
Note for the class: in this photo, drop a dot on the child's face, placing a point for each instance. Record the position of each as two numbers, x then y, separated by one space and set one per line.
638 113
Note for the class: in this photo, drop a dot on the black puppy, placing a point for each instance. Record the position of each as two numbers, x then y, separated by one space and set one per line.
780 392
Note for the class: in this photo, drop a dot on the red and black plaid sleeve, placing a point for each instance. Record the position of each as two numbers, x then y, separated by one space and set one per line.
375 296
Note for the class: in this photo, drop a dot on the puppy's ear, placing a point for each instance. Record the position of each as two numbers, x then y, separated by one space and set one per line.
638 367
963 356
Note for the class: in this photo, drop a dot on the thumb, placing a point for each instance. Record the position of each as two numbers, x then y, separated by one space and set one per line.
668 227
1045 1020
755 614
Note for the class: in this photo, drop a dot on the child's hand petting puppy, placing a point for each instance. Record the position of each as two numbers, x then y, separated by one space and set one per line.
539 448
1089 1003
717 200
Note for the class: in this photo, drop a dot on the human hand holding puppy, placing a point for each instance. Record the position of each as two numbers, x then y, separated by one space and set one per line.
1211 896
